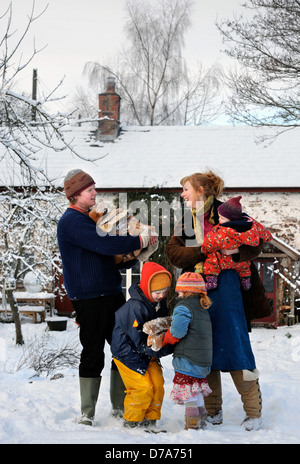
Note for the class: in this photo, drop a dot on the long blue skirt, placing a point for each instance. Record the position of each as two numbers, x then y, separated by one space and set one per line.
231 343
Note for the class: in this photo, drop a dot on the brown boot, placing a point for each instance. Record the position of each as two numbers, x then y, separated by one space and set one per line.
250 394
213 402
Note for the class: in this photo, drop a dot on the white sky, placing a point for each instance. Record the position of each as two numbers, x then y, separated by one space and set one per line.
77 31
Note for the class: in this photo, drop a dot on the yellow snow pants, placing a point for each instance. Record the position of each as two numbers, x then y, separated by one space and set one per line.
144 393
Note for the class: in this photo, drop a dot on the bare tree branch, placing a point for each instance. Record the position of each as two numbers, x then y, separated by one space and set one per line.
265 90
22 137
151 74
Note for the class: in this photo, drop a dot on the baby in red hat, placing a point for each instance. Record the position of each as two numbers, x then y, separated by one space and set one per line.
235 228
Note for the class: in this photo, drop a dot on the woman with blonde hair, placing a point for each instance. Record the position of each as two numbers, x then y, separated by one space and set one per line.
232 308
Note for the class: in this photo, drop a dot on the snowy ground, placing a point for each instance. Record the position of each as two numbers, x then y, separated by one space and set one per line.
37 410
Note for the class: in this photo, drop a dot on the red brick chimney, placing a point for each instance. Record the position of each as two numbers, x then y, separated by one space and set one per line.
109 106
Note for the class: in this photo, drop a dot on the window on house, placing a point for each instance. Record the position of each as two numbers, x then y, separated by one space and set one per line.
129 277
266 270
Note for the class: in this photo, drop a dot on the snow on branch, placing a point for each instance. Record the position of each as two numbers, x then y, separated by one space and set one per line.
290 278
27 129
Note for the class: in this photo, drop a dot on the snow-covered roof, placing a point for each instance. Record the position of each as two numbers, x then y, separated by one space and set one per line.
162 155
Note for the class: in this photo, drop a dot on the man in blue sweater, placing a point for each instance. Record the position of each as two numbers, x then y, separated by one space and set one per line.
93 283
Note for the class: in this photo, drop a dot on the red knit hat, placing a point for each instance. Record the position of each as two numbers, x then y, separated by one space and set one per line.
190 282
231 209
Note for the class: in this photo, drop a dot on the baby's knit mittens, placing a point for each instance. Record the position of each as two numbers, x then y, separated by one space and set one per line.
211 282
246 283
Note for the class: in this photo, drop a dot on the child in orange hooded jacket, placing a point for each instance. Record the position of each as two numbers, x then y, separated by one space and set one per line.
136 361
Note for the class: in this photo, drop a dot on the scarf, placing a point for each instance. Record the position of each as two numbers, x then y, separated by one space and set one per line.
198 223
240 225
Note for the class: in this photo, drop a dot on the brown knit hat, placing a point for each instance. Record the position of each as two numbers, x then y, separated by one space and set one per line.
76 181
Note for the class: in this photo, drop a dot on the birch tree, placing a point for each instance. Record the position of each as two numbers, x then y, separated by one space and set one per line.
153 80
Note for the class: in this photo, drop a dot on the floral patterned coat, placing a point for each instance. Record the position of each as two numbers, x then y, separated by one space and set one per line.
256 304
223 237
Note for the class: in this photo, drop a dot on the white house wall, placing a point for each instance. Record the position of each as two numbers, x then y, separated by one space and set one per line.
277 211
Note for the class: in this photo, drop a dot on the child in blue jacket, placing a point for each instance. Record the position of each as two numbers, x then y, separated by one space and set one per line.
136 361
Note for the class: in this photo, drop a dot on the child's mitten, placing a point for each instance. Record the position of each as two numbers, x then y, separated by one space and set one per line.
168 338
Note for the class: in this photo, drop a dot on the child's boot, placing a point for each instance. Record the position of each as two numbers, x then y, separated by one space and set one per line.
192 417
202 417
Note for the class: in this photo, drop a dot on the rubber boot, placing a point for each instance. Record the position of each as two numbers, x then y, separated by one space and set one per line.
192 416
213 402
202 417
117 393
251 397
89 391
